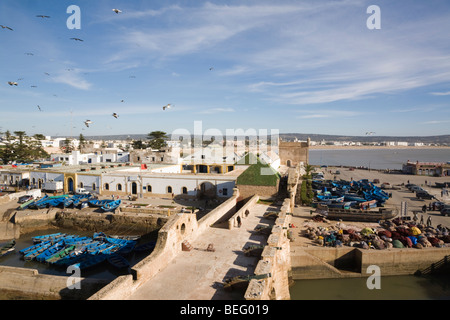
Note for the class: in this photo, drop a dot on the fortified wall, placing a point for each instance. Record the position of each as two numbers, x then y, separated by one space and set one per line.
178 229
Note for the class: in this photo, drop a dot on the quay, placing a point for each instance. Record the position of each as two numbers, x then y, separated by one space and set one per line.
194 257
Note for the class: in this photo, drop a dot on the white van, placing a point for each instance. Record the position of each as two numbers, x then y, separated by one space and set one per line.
81 191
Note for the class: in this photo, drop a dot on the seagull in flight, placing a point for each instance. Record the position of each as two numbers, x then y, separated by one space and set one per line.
13 83
29 54
39 108
87 122
42 16
115 115
167 106
6 27
117 11
76 39
369 133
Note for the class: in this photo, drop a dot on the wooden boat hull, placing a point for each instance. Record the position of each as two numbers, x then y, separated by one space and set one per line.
117 261
358 215
7 248
111 206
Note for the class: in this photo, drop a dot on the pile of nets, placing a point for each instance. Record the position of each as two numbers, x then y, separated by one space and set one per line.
389 234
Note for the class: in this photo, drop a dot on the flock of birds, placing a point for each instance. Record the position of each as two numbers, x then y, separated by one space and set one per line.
87 122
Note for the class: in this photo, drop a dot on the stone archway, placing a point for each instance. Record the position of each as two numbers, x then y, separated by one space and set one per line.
207 190
70 184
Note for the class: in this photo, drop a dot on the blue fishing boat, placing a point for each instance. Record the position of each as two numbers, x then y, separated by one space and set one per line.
354 197
111 206
148 246
60 254
98 203
87 261
50 251
39 201
47 237
118 261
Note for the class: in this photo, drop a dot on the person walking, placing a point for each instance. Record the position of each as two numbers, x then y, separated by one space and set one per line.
429 221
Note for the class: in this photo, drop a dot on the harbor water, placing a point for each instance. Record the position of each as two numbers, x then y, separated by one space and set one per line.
391 288
103 271
376 158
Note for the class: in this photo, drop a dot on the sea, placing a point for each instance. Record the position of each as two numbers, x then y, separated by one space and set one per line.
392 159
408 287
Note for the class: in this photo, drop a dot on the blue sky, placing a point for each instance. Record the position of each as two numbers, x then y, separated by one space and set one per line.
296 66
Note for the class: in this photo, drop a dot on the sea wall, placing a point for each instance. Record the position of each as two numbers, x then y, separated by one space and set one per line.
275 262
328 263
9 231
30 284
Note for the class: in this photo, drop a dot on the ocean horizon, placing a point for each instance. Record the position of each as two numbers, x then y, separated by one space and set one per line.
376 158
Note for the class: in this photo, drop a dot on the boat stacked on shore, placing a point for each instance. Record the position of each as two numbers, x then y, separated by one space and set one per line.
65 250
351 200
66 201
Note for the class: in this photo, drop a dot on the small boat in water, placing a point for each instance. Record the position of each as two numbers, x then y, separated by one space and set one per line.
118 261
7 247
87 261
48 237
60 254
145 246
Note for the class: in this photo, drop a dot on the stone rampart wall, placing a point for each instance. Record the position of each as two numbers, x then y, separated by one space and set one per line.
275 262
179 228
236 219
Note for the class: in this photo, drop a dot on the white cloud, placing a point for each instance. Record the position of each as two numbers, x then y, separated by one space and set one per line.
72 79
216 110
328 113
440 93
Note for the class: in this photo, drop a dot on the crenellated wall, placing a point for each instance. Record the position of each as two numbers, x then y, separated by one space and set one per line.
275 262
179 228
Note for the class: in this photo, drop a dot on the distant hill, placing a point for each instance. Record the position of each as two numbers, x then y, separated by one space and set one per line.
442 139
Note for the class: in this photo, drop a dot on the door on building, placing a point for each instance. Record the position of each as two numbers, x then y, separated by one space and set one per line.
134 188
70 184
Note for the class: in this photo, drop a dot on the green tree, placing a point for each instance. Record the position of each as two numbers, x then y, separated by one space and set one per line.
157 139
138 144
21 148
67 146
39 136
83 142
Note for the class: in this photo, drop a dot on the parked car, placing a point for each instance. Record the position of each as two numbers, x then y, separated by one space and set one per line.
338 172
81 191
445 211
376 180
416 189
26 198
385 185
424 195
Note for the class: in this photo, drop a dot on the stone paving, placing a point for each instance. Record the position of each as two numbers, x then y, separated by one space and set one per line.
198 274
